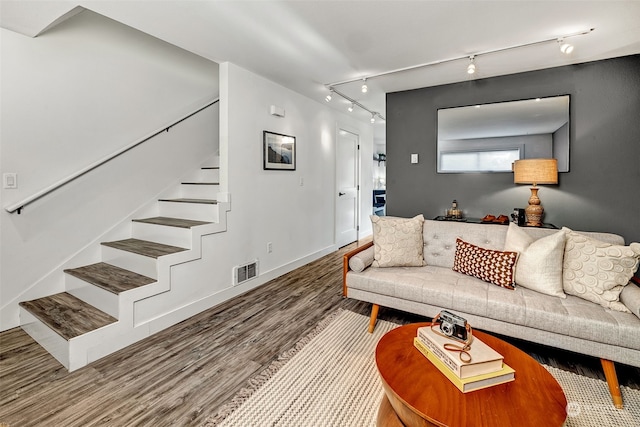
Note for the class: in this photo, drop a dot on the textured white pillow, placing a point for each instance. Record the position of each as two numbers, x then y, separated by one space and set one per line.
539 265
598 271
397 242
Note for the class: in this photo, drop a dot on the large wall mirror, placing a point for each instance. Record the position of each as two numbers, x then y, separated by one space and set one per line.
489 137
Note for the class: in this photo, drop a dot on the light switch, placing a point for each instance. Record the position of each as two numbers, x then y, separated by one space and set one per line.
10 180
414 158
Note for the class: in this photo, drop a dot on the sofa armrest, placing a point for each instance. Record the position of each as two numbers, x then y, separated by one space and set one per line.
635 279
345 264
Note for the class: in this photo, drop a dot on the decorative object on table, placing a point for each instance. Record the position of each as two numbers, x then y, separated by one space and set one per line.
465 385
518 216
279 151
500 219
535 171
454 212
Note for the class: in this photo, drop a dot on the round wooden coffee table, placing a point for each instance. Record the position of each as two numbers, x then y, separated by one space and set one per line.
417 394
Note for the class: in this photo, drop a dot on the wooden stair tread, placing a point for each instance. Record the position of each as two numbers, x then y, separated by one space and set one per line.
200 183
201 201
144 247
109 277
172 222
67 315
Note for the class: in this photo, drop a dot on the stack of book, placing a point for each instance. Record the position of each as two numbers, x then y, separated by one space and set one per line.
486 369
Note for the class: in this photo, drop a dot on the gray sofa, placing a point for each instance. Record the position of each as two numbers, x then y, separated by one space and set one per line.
570 323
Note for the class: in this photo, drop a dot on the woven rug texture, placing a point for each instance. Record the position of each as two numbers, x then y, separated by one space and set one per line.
330 379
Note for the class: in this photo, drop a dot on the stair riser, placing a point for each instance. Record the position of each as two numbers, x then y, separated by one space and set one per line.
137 263
203 175
174 236
94 295
190 191
57 346
195 211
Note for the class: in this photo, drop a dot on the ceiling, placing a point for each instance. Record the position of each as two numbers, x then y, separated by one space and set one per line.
305 45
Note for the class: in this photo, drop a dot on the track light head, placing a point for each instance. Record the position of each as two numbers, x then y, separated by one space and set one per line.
364 86
328 97
565 47
471 68
373 118
350 108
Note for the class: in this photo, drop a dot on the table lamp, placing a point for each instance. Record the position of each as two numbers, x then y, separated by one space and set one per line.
535 171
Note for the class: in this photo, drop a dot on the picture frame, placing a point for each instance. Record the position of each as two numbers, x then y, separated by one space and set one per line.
279 151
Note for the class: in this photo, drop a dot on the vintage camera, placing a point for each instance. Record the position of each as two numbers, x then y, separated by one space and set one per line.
453 325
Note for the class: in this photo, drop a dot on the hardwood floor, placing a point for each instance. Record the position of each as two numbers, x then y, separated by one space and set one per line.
185 373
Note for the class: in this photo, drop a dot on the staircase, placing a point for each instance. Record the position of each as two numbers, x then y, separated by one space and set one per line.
106 304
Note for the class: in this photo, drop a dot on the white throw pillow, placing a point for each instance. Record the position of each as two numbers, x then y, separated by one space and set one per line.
598 271
539 265
397 242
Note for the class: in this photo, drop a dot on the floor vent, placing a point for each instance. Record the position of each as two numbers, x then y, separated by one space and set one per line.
245 272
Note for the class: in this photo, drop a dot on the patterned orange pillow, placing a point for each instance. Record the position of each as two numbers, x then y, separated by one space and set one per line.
495 267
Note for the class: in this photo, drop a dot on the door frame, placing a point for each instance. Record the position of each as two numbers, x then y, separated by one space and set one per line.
358 161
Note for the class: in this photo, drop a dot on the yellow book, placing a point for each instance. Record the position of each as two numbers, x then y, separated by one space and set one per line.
466 385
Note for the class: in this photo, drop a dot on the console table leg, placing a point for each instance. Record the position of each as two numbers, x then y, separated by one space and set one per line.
612 380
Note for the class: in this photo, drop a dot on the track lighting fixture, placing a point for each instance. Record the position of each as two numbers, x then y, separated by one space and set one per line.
565 47
353 103
364 86
471 68
328 97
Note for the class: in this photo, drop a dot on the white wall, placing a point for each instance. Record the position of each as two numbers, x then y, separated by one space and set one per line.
272 206
78 92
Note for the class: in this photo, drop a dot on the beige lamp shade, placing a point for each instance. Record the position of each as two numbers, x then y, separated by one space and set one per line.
535 171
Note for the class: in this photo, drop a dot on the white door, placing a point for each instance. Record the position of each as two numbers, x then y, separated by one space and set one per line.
347 155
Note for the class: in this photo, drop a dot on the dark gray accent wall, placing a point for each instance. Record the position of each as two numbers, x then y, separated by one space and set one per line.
601 191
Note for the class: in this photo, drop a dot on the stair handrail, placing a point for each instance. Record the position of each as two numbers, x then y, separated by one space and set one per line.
17 207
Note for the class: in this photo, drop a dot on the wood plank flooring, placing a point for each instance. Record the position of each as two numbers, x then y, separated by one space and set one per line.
181 375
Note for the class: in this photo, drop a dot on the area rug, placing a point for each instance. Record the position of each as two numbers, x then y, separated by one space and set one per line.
330 379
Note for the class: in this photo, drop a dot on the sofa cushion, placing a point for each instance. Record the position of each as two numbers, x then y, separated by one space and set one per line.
444 288
539 265
598 271
440 239
361 260
497 267
397 242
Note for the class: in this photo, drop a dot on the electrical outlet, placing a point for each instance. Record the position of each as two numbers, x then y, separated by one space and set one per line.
269 247
10 180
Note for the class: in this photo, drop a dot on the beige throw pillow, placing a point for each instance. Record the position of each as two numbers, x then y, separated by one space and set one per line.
598 271
539 266
397 242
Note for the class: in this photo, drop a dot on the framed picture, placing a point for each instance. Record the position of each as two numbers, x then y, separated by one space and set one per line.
279 151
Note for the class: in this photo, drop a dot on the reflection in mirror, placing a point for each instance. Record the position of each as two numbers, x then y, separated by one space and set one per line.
490 137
